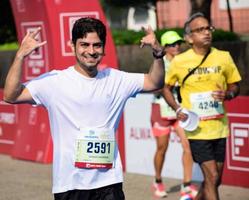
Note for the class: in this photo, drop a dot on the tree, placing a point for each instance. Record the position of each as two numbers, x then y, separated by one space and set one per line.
229 16
203 6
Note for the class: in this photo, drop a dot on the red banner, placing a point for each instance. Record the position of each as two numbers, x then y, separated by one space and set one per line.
236 170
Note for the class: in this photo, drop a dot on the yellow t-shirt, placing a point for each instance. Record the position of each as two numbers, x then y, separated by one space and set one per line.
217 70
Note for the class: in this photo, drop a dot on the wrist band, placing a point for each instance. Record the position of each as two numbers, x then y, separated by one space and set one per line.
230 95
158 53
178 110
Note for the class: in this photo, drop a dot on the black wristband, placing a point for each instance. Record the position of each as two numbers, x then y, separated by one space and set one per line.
230 95
158 53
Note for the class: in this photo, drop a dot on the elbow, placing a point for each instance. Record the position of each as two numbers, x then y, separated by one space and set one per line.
8 99
160 85
157 86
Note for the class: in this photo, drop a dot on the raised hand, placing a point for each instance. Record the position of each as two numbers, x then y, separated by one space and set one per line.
29 43
149 38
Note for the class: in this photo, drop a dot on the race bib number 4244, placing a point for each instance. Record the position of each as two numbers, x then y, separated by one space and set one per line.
205 106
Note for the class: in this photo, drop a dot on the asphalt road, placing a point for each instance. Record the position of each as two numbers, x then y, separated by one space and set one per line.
26 180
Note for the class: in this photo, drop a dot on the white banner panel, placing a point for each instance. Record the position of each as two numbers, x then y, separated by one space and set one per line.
234 4
140 144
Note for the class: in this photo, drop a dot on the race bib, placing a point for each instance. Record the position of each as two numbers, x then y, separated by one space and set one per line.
205 106
95 148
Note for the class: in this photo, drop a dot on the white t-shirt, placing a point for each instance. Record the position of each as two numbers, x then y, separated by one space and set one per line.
74 101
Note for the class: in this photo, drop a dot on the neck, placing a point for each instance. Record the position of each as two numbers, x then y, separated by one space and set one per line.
88 72
169 57
201 50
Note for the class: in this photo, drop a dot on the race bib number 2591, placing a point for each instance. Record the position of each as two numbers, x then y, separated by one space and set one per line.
95 149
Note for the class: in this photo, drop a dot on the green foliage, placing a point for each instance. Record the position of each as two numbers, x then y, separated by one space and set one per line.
122 37
9 46
221 35
7 25
128 37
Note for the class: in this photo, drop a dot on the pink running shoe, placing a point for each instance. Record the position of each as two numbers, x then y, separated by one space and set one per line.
186 197
190 190
159 190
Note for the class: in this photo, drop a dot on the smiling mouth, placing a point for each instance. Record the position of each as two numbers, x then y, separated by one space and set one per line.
93 58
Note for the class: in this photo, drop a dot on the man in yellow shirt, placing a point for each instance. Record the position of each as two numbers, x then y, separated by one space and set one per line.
204 92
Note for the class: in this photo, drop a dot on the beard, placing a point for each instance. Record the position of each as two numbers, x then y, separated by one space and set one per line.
89 67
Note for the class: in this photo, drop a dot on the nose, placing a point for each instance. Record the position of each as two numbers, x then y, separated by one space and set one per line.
91 49
206 31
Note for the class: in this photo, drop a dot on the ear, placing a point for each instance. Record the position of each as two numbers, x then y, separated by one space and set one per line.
70 43
188 38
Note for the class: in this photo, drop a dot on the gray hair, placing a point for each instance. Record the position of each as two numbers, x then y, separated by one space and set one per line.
187 29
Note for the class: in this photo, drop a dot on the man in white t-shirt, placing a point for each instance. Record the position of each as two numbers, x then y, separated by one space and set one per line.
84 106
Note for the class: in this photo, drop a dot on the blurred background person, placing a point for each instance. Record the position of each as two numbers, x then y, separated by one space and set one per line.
163 121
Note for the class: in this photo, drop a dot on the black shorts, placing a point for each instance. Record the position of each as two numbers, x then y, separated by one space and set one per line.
110 192
205 150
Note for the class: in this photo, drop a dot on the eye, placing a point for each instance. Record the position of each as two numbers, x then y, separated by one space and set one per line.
84 45
97 45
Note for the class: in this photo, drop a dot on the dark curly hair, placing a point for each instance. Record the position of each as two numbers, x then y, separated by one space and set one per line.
86 25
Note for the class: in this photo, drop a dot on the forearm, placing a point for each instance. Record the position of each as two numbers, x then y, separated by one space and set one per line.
157 73
13 86
169 97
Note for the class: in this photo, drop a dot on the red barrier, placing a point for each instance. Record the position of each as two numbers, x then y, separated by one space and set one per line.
8 121
236 170
32 139
29 136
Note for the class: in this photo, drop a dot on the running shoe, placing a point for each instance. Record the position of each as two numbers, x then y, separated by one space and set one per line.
186 197
159 190
191 190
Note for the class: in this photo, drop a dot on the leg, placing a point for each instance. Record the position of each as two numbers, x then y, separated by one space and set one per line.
209 187
162 145
162 139
187 188
187 159
220 154
220 166
210 154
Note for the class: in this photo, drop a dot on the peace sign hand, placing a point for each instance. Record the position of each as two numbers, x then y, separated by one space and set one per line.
29 43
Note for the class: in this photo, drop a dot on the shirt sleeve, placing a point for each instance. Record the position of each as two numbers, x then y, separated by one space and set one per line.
133 83
40 88
231 73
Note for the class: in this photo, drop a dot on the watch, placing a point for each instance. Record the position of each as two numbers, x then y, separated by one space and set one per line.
158 53
230 95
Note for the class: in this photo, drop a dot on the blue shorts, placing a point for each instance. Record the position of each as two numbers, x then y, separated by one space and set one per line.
205 150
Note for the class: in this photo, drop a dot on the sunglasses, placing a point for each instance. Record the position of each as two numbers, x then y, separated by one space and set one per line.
174 44
203 29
